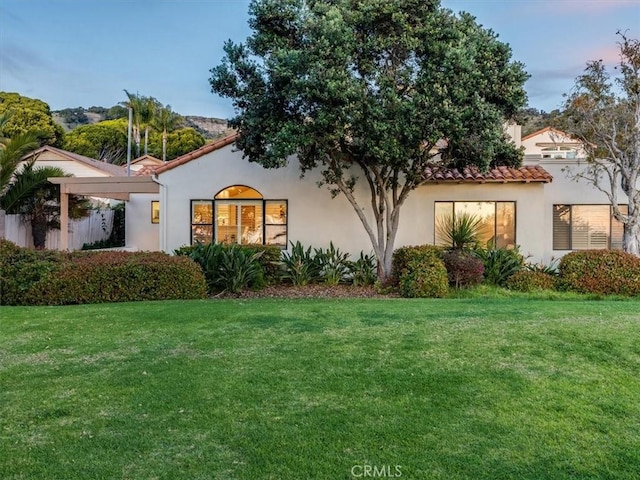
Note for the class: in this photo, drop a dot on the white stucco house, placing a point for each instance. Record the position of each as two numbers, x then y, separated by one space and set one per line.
213 194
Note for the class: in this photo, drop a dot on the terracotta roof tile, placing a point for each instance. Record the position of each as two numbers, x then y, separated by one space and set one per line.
495 175
187 157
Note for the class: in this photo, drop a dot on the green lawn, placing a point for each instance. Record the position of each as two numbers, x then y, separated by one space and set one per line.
321 389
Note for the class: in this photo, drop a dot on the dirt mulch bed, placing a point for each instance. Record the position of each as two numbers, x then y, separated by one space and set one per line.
312 291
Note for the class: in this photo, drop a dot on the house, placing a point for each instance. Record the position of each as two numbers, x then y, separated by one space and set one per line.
96 227
214 194
142 162
73 163
577 216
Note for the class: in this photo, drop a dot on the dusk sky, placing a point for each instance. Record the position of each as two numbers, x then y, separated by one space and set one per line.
72 53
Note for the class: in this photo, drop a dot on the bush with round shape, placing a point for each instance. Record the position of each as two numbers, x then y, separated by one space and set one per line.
424 278
606 272
463 269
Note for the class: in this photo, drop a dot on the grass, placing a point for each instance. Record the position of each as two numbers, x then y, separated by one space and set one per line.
273 389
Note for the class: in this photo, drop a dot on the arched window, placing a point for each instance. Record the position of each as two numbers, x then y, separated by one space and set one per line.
239 214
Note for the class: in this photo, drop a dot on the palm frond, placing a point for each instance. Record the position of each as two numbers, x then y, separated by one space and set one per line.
27 182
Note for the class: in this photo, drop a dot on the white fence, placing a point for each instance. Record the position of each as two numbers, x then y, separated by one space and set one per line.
95 227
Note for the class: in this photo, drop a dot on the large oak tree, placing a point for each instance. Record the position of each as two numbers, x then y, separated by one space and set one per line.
366 91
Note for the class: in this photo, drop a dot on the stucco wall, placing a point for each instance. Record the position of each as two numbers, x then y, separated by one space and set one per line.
565 190
314 218
141 234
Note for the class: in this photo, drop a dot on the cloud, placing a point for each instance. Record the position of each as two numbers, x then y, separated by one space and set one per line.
19 61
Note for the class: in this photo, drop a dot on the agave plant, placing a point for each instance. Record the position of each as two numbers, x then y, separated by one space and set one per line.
461 231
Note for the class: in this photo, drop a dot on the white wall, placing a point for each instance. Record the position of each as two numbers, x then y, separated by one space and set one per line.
141 233
565 190
314 218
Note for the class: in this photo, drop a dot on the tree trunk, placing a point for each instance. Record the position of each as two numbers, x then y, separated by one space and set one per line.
631 239
164 146
39 227
146 140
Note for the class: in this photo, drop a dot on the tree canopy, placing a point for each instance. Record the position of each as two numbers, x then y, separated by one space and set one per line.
605 114
369 89
105 141
28 114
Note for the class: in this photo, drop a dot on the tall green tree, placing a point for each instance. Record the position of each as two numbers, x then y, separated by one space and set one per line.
134 102
605 114
165 121
365 91
105 141
29 114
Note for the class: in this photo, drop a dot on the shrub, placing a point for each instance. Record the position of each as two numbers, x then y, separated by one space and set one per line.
551 269
499 264
300 266
531 280
21 268
607 272
238 269
363 270
402 256
424 277
333 264
271 261
463 269
96 277
231 268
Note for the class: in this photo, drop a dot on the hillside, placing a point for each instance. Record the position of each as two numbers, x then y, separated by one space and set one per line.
70 118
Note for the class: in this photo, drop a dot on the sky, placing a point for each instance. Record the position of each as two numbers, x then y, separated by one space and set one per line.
83 53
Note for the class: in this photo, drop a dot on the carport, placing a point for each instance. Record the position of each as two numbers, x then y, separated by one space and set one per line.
117 188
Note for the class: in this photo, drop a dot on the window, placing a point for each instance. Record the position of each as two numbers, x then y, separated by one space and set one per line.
201 221
155 211
584 227
239 214
498 220
559 152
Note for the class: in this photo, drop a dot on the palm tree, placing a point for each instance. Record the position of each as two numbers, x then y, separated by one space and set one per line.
165 121
147 116
27 191
134 102
11 152
31 195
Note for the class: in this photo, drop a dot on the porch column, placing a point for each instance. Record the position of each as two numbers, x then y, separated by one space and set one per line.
64 219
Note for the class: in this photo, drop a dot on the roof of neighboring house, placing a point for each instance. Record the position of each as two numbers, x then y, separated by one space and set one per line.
551 130
108 168
186 158
473 174
146 160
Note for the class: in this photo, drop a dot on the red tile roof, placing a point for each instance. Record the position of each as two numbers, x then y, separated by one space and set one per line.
186 158
495 175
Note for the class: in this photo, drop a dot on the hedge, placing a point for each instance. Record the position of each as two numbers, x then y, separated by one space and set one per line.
32 277
607 272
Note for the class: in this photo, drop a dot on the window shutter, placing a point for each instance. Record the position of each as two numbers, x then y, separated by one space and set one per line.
590 226
562 227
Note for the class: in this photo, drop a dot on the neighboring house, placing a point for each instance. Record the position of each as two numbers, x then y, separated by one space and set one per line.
87 230
577 216
142 162
213 194
73 163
